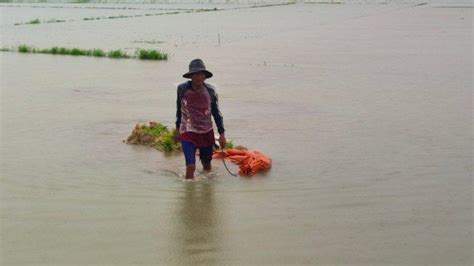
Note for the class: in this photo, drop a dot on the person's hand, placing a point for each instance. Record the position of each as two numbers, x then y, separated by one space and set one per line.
176 135
222 141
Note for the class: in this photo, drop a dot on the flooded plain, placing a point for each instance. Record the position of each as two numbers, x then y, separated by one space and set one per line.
365 109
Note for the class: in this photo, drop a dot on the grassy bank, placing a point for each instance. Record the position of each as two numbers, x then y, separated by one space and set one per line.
141 54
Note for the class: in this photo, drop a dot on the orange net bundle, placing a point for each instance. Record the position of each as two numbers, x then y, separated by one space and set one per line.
250 162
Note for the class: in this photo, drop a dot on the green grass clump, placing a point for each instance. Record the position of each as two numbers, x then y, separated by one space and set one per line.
53 50
55 21
229 145
167 141
77 52
35 21
121 16
144 54
117 54
155 131
25 49
92 18
155 135
98 53
63 51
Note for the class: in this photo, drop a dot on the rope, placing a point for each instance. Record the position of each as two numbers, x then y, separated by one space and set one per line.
223 160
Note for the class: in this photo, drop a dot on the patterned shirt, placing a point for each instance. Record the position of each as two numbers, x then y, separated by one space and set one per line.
196 112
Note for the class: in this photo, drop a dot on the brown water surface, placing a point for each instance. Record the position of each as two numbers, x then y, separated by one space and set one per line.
366 111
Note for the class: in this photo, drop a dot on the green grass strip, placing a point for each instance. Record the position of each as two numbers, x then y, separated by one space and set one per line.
25 49
98 53
35 21
142 54
117 54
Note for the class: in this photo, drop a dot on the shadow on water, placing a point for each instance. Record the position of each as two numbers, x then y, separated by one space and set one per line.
197 227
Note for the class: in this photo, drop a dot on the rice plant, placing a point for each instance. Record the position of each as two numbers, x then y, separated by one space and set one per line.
167 141
140 53
144 54
35 21
25 49
117 54
98 53
155 131
77 52
63 51
55 21
53 50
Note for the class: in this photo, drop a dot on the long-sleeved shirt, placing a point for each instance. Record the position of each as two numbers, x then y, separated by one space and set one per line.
194 109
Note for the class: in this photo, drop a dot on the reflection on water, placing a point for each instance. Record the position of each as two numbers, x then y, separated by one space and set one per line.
196 230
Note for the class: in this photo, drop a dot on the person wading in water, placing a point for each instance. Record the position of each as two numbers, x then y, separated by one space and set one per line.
196 102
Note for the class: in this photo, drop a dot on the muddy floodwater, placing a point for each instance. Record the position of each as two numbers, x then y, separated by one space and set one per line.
364 107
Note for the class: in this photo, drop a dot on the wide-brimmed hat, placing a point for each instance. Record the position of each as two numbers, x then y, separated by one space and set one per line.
197 65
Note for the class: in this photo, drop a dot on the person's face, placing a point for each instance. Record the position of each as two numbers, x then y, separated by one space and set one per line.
198 78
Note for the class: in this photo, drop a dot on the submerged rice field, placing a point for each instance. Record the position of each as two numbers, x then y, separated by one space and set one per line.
363 106
142 54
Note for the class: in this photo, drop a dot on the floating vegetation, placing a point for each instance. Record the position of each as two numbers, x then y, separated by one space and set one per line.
35 21
155 135
25 49
142 54
117 54
121 16
158 136
98 53
55 21
205 10
77 52
56 50
151 55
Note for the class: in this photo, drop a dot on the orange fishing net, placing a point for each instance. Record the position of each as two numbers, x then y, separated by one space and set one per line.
250 162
